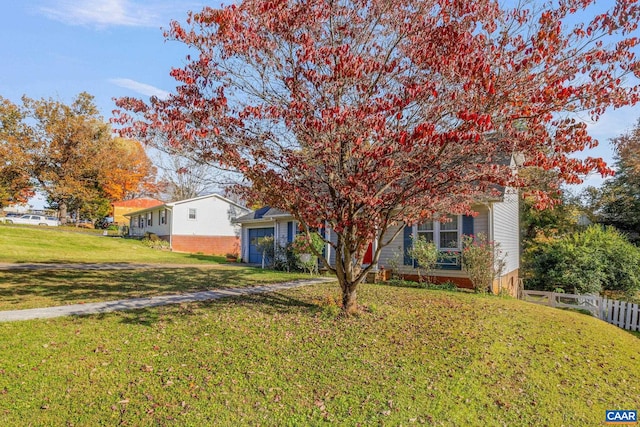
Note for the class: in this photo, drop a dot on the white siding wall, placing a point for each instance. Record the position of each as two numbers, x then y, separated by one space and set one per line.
213 218
281 232
507 229
390 251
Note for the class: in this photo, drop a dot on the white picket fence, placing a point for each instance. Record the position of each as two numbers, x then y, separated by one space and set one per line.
620 313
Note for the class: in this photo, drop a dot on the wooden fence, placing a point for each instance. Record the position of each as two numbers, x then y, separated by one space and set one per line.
620 313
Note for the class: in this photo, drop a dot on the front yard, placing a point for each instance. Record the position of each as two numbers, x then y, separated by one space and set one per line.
415 357
22 289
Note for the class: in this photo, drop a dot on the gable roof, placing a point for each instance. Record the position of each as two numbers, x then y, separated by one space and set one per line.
263 213
179 202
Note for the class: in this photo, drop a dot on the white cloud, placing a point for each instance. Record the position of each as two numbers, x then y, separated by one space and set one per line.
142 88
107 13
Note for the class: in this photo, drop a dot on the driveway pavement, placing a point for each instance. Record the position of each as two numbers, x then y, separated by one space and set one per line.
136 303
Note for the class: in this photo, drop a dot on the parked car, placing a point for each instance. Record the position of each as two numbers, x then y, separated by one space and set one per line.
33 220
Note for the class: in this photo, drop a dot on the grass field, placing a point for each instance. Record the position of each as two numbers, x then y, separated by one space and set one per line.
20 289
415 357
43 245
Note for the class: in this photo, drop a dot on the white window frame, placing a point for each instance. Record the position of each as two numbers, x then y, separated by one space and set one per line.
437 229
163 216
195 214
150 219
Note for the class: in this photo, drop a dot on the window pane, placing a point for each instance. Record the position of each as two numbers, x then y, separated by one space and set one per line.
448 240
426 226
427 235
451 225
192 214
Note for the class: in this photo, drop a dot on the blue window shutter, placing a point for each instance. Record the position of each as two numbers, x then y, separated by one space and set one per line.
323 233
467 225
407 244
289 231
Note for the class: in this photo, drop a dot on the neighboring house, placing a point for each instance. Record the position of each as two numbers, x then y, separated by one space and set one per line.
498 220
120 209
199 225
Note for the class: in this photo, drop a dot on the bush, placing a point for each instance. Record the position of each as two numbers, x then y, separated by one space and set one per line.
426 255
304 248
597 259
285 258
154 242
482 260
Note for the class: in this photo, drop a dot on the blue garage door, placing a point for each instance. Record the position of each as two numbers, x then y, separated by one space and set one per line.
255 256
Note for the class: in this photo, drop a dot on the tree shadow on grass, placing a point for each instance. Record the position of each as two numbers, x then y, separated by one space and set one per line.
267 303
40 288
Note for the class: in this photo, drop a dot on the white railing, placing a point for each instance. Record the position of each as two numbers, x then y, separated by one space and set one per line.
620 313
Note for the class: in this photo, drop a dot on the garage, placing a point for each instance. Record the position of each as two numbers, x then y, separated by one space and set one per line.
255 256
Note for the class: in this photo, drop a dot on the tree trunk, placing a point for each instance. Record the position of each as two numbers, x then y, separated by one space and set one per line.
62 207
349 304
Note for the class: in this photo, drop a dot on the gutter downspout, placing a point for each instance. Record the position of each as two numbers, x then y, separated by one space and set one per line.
170 212
492 239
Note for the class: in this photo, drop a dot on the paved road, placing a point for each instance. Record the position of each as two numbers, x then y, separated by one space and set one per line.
132 304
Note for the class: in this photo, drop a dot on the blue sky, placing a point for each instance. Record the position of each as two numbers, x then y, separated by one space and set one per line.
109 48
114 48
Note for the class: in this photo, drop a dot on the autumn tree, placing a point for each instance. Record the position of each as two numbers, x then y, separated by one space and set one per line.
619 199
358 115
130 172
15 182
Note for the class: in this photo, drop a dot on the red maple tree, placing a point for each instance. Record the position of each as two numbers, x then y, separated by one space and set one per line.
361 114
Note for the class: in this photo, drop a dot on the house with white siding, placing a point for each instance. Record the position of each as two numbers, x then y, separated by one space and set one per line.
497 219
200 225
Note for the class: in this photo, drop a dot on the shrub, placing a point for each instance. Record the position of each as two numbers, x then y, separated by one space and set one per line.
285 258
305 248
482 260
597 259
394 263
154 242
426 255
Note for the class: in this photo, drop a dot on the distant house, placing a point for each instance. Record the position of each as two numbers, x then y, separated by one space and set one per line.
120 209
497 219
199 225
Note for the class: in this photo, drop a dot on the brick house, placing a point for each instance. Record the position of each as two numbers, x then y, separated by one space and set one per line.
199 225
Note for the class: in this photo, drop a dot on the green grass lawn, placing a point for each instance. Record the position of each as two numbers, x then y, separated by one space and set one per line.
22 289
42 245
415 357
